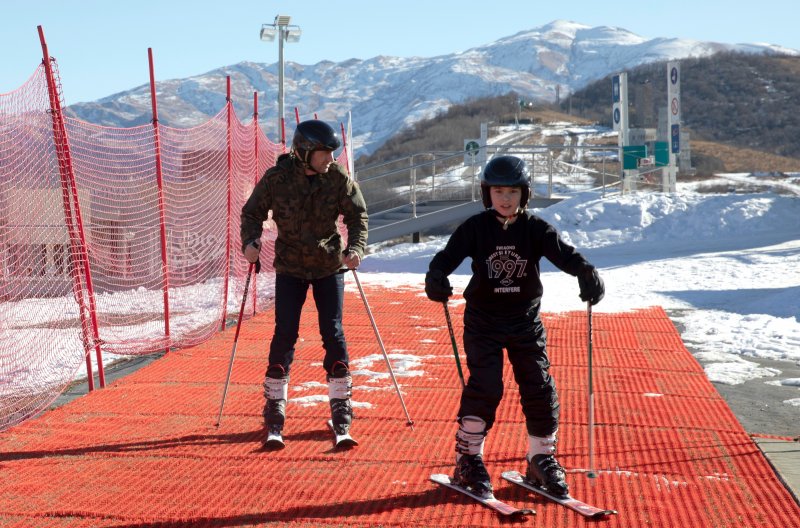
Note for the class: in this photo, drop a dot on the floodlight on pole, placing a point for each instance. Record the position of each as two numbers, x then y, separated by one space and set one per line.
285 32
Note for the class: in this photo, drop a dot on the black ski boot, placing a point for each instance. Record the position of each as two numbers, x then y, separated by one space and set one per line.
340 389
471 474
276 386
546 472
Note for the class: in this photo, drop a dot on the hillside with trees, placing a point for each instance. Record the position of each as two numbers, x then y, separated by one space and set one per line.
742 111
740 100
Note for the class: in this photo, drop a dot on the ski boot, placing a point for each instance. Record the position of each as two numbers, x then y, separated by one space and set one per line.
545 471
340 389
276 387
543 468
470 472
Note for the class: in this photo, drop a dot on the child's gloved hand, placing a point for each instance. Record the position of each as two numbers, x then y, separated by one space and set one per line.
591 285
437 286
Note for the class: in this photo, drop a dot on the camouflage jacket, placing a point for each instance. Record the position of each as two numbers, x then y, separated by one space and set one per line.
305 210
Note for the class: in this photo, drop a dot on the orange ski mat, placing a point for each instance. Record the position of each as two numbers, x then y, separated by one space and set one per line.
145 451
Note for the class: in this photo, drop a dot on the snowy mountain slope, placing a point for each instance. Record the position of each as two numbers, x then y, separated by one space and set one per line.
386 94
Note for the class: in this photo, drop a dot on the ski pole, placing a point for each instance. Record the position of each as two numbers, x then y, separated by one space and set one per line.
591 474
453 342
410 423
235 341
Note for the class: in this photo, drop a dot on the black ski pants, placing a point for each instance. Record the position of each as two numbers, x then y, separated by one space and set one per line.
290 295
524 338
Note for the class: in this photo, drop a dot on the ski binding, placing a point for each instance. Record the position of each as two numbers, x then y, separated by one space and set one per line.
497 505
587 510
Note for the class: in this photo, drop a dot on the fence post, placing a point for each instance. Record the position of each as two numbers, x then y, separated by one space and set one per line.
413 174
228 220
604 177
472 165
433 178
161 214
79 253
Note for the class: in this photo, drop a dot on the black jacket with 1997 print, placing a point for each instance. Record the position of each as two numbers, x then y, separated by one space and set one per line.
305 210
505 262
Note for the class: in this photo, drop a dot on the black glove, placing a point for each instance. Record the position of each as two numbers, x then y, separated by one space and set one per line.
591 285
437 287
252 252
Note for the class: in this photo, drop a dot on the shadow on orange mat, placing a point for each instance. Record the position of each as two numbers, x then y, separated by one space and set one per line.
145 452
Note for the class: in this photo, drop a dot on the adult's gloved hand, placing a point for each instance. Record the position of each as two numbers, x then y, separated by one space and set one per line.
591 285
437 286
252 252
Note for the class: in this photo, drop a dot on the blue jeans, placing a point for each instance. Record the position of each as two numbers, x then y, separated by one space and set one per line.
290 295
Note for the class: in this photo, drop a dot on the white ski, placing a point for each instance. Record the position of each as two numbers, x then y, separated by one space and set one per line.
497 505
344 441
587 510
274 441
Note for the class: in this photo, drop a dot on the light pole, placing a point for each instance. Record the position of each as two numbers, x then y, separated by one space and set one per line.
285 33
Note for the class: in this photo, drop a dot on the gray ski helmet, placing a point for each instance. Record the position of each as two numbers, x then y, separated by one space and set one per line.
505 171
312 135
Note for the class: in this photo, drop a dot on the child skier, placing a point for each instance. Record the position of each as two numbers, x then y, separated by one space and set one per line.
503 297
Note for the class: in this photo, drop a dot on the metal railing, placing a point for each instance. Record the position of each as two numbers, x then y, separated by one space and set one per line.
444 176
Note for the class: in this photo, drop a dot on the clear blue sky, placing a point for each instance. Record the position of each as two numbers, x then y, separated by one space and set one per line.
101 46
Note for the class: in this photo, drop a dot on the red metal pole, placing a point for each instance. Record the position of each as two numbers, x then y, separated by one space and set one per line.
283 133
161 205
255 181
68 187
228 222
296 115
87 271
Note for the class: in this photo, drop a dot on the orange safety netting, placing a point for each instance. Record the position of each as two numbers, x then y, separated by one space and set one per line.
145 452
100 256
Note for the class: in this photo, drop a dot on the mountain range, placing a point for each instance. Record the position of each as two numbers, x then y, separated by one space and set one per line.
387 94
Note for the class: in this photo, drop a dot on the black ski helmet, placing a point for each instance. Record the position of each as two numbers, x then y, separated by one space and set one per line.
505 171
312 135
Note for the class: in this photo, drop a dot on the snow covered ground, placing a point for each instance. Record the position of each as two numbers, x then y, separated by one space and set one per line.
726 267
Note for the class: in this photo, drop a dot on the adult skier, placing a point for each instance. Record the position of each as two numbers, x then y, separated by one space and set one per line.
307 192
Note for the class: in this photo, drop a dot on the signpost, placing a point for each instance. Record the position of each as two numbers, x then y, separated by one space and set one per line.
471 151
619 99
634 157
670 173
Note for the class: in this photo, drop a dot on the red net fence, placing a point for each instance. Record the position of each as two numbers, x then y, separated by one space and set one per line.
116 241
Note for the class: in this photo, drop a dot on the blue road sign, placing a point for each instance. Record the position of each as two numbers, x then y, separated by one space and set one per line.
676 139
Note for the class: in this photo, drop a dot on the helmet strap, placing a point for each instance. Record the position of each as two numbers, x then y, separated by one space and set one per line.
506 219
302 157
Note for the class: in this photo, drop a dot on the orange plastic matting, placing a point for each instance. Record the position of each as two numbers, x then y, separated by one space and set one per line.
145 452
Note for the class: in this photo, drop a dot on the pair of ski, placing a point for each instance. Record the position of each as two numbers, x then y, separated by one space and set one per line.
275 441
587 510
